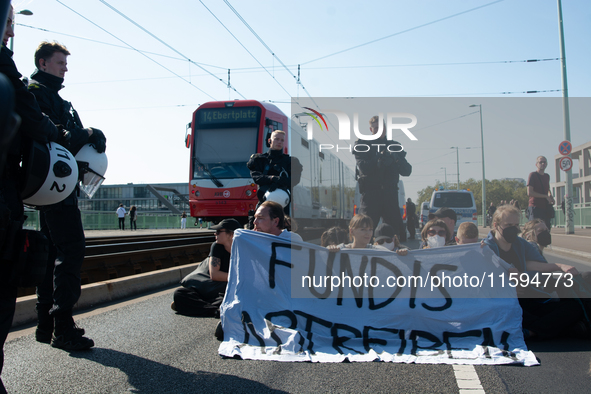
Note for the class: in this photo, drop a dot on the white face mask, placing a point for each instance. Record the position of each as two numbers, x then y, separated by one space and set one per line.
389 246
435 241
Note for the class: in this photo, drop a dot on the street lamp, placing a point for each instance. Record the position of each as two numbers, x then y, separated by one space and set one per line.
482 146
21 12
445 173
457 161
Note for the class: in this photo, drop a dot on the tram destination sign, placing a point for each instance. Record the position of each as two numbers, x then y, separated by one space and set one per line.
234 115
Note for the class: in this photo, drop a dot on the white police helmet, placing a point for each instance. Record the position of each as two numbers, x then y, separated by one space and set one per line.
93 166
279 196
51 174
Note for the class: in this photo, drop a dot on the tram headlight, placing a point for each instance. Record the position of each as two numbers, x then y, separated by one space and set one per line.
197 193
248 193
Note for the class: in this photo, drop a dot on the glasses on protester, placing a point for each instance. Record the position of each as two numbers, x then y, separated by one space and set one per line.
441 233
387 240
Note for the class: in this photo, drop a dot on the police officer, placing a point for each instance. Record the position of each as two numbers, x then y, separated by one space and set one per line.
274 169
378 172
34 126
61 222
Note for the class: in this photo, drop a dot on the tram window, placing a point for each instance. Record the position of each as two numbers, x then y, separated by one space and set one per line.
224 152
305 144
321 155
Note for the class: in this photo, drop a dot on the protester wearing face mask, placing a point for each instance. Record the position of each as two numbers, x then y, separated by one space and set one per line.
386 237
435 234
536 232
543 316
506 243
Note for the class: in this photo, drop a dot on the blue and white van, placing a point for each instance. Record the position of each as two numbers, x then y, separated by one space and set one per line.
461 201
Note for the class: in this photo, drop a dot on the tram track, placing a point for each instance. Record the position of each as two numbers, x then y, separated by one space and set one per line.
117 257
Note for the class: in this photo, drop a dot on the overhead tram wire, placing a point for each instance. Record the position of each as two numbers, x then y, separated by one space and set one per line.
236 38
269 49
242 70
138 51
114 45
402 32
483 94
168 46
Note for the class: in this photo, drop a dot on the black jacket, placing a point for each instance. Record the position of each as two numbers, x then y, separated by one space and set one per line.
34 124
380 171
46 89
266 169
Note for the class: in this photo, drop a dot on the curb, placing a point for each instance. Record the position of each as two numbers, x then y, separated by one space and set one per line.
110 290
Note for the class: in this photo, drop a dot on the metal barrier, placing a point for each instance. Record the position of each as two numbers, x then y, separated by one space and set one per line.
109 221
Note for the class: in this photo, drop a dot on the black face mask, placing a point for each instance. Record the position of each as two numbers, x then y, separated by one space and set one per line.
510 234
544 238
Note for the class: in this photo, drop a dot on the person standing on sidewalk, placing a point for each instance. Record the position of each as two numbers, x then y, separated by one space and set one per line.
121 215
538 191
183 220
133 218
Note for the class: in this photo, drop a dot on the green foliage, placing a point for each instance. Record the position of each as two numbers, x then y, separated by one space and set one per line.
496 190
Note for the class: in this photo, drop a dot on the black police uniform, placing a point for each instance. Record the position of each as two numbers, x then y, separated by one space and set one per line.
378 173
274 170
34 126
61 222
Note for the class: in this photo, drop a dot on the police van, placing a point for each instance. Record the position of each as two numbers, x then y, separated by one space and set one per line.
460 201
424 214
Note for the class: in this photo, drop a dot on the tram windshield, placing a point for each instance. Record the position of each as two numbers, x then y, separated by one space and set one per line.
223 152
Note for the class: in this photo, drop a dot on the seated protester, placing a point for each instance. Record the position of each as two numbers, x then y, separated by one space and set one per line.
334 236
467 234
435 234
542 317
269 218
203 290
361 232
450 218
386 237
536 232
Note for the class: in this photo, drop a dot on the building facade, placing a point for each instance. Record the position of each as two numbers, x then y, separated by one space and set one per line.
148 198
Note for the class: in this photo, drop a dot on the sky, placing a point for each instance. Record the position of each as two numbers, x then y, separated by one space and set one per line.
138 71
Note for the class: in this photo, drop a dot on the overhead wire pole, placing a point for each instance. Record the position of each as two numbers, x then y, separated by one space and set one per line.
482 147
269 49
569 224
458 162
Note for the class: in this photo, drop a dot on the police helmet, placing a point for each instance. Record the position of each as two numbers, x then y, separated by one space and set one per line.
279 196
50 172
92 166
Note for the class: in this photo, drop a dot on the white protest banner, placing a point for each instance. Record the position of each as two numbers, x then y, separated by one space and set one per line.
292 301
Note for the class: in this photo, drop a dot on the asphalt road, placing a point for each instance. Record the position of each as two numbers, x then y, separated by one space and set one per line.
142 346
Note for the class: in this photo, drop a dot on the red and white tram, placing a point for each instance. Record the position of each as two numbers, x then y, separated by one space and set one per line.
224 134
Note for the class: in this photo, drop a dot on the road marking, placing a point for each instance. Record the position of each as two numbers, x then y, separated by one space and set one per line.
467 379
